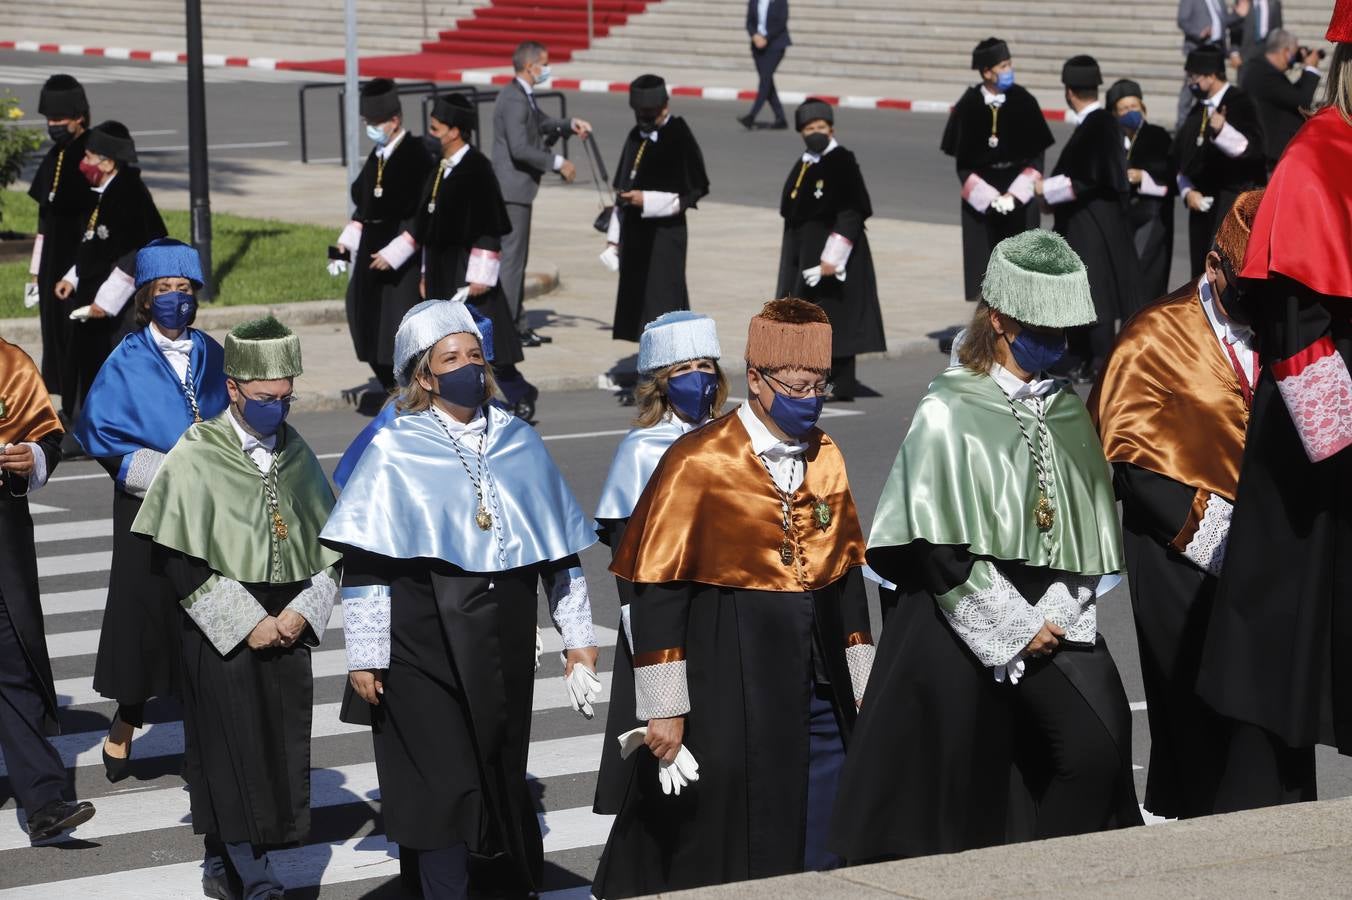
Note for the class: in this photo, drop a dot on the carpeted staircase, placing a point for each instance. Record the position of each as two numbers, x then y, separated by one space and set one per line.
496 29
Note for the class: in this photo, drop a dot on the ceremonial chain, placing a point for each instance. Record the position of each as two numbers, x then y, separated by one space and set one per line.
994 140
191 394
56 179
483 518
638 158
1206 120
380 176
436 185
786 505
1043 511
802 171
93 219
279 527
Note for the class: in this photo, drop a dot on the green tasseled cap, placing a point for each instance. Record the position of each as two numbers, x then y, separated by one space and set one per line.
262 350
1037 278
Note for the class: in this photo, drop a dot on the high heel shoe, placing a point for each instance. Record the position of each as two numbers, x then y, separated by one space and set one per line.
115 769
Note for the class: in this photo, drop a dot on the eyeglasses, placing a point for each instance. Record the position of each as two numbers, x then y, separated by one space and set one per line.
800 391
288 400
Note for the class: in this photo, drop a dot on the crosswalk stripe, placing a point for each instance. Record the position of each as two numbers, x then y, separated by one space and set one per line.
58 602
84 530
39 509
74 563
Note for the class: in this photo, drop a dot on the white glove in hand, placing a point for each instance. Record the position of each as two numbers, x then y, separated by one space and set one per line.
681 773
539 647
610 258
30 295
1004 204
584 688
813 276
82 314
337 267
1012 671
1205 204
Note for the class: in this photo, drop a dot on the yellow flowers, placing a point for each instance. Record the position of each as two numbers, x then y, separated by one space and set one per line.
15 112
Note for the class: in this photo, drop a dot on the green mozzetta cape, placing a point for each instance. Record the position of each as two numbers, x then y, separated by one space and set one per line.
964 477
208 502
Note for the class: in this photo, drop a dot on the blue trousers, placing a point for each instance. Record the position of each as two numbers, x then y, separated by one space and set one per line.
826 756
767 61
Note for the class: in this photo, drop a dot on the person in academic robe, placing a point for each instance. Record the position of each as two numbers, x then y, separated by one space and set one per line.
122 219
660 176
1171 408
30 448
375 247
751 637
161 379
995 712
682 387
452 520
1089 194
460 225
63 200
1284 595
235 513
1218 149
998 137
824 205
1150 171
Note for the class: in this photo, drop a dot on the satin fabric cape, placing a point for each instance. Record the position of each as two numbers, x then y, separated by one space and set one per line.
964 477
28 414
137 400
228 525
1312 184
410 497
633 465
1169 400
729 534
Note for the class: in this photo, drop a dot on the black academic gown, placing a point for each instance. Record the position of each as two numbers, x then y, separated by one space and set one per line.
1096 226
19 577
64 201
940 762
652 251
612 778
469 215
1152 218
1216 174
832 198
127 221
1023 138
377 300
753 657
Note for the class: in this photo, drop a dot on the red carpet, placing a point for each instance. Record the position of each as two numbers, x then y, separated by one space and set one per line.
413 66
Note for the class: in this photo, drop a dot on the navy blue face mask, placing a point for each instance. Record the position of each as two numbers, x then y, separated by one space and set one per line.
1038 351
796 416
692 394
1131 120
173 311
464 386
265 417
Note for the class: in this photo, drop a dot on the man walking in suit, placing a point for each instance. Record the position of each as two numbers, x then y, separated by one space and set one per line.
520 158
767 21
1278 99
1206 22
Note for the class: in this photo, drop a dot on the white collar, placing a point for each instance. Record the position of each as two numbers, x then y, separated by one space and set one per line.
1215 100
1084 113
453 160
996 99
525 85
686 427
458 429
764 443
1016 388
813 158
247 442
1228 331
182 345
103 187
385 151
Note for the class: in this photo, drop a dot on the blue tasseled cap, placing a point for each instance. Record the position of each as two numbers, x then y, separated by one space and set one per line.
167 258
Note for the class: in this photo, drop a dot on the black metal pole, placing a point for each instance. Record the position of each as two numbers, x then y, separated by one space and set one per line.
199 183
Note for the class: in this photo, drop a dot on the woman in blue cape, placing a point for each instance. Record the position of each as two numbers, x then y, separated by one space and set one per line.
157 382
452 519
682 388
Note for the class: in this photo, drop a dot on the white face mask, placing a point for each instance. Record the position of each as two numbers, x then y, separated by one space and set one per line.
545 75
377 135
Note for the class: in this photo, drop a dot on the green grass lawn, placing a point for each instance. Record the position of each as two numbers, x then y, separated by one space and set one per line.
256 260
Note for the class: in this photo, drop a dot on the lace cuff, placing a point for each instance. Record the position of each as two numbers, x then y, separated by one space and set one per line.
837 250
990 615
350 238
1058 189
1070 604
483 267
859 658
115 291
35 261
1150 188
399 250
366 626
978 193
1207 547
1231 141
570 608
660 690
225 611
613 227
1317 390
661 204
315 603
139 469
1023 187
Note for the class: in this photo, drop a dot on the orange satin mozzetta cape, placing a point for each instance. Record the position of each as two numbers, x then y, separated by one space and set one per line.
1169 400
711 515
27 413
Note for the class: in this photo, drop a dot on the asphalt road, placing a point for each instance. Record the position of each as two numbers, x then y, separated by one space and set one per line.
140 837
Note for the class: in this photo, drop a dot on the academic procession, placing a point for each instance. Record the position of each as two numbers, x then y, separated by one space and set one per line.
803 676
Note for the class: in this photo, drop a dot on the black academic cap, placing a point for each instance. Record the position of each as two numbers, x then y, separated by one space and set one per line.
1123 87
812 109
379 100
456 111
1081 73
648 92
989 53
63 97
1208 59
113 140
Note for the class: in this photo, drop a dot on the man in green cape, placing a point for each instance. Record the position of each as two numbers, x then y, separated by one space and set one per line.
236 525
995 712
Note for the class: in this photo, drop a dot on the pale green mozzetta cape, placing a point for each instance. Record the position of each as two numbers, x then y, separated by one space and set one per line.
207 501
964 477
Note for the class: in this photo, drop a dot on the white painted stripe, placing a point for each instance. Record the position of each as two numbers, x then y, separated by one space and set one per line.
55 478
157 131
30 46
116 53
168 56
74 563
792 96
59 602
590 85
71 49
247 145
262 62
930 106
213 59
86 529
860 102
476 77
1138 706
719 93
39 509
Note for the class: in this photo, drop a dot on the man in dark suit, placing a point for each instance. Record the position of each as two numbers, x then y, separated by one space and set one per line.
520 159
767 21
1250 36
1206 22
1278 99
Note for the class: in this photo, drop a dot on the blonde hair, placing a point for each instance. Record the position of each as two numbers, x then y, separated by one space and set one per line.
1338 88
653 402
413 397
977 351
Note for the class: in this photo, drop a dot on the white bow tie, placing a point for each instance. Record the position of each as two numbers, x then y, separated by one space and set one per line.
649 136
997 101
784 451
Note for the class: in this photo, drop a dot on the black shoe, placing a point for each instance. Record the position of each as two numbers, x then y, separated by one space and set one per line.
779 125
525 407
217 887
58 817
116 769
747 122
530 334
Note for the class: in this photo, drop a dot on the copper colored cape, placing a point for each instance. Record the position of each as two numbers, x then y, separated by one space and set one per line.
711 515
26 412
1169 400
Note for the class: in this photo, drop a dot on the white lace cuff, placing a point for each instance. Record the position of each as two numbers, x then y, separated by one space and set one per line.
570 608
1207 547
859 658
990 615
366 626
1317 390
661 204
399 250
1023 187
1149 187
72 276
1230 141
350 238
978 193
35 261
1070 604
115 291
837 250
660 691
483 267
1058 189
225 612
613 229
139 470
315 603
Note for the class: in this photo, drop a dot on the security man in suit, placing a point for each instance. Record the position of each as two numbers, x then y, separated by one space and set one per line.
520 158
1206 23
1264 17
767 21
1278 99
